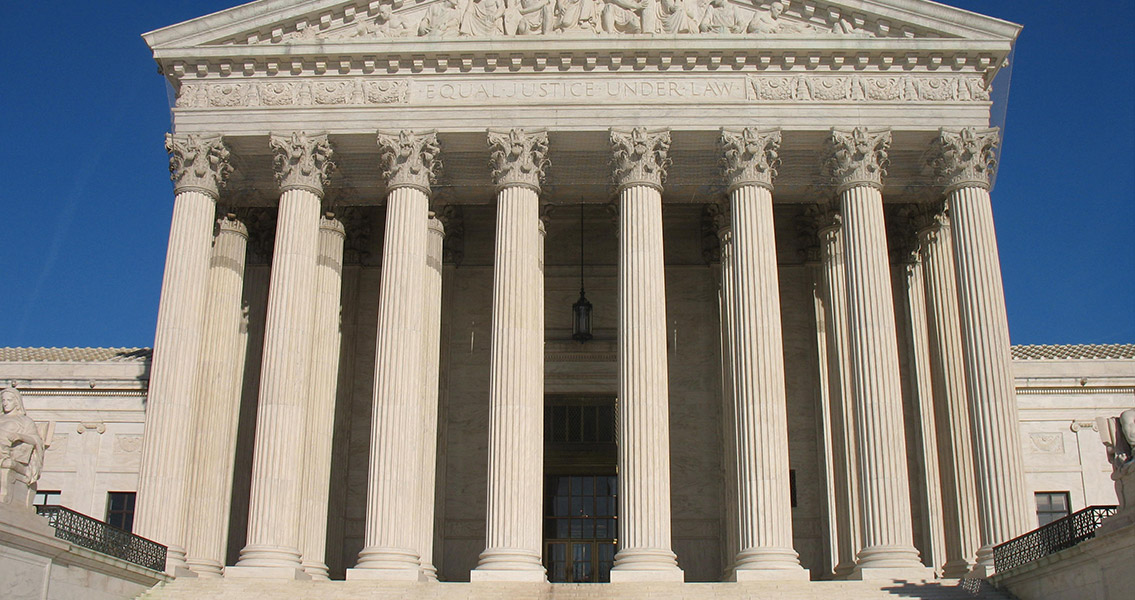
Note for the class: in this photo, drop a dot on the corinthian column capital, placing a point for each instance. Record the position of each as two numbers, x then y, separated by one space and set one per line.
640 156
964 157
198 162
856 157
409 159
930 221
749 156
302 161
518 157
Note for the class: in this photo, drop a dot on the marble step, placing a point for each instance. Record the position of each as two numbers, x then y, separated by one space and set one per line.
209 589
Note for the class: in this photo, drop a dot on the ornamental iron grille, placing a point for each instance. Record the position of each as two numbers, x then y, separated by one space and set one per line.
93 534
1050 539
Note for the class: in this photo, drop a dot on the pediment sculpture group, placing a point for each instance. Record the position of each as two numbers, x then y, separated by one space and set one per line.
486 18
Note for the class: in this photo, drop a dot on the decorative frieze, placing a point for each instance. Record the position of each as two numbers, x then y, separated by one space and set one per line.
856 157
749 156
860 88
410 159
640 156
302 161
964 158
518 157
329 92
198 162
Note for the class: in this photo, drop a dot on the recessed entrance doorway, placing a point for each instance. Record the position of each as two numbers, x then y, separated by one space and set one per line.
580 488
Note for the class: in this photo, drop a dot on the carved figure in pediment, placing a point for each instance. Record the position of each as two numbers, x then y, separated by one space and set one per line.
1118 436
770 22
443 19
575 15
384 25
678 16
21 450
630 16
483 18
721 17
841 25
533 17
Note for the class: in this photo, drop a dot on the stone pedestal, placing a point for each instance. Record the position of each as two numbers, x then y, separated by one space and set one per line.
644 428
516 396
273 545
218 409
199 167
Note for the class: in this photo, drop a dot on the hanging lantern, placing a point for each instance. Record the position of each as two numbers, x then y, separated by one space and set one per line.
581 310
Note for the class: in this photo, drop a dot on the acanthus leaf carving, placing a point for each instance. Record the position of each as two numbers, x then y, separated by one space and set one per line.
750 156
858 88
856 157
302 161
410 159
198 162
964 157
640 156
518 157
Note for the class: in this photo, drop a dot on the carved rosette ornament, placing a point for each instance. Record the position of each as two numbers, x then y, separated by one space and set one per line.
198 163
410 159
964 158
856 157
302 161
640 156
749 156
518 157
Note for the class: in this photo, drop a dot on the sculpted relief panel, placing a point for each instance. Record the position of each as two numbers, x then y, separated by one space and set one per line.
490 18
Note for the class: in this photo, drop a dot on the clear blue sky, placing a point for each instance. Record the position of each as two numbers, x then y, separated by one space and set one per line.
86 201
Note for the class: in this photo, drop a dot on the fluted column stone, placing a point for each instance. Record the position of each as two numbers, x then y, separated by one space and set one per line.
833 286
430 370
199 167
393 518
856 162
722 224
323 380
760 419
516 399
302 164
964 163
221 370
955 443
640 162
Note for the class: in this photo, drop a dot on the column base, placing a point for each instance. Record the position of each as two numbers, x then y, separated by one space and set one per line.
509 564
318 571
890 563
984 567
956 569
768 564
279 573
205 569
388 564
646 564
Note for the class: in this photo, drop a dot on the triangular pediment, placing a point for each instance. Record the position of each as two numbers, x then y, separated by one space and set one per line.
299 22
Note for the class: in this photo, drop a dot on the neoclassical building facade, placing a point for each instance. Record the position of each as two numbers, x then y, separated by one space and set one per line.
799 364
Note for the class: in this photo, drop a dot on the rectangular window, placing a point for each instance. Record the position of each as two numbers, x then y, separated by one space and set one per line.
47 498
120 510
1051 506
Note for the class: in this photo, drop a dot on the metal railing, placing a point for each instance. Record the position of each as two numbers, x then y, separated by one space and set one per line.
1050 539
93 534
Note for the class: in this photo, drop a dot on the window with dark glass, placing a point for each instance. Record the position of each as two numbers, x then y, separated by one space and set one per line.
1051 506
120 510
47 497
580 527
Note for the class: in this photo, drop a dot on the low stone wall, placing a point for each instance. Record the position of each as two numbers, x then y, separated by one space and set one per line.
1102 568
35 565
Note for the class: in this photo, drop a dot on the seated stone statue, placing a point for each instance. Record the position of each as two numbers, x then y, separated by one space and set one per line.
443 19
630 16
1118 436
21 451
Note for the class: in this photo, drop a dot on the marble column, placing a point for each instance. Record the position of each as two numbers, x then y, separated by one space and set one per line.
964 162
955 444
221 369
199 167
323 378
640 162
833 287
393 518
302 163
856 161
513 535
722 225
760 417
431 363
921 387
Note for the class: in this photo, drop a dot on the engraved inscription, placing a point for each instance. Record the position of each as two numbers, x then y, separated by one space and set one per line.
641 89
